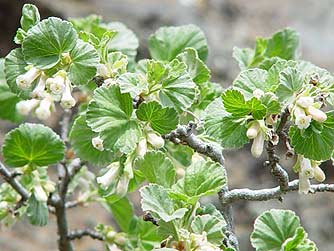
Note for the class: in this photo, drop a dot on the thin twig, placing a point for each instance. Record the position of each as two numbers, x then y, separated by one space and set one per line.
270 193
78 234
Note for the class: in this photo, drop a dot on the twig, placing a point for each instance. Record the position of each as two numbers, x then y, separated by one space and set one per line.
78 234
270 193
10 179
186 135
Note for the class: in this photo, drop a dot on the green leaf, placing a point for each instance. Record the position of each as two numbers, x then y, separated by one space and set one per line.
37 212
32 144
270 101
46 41
122 212
157 168
198 71
84 59
224 128
315 142
30 16
179 154
243 56
299 242
178 89
132 83
8 102
156 200
15 66
201 179
291 82
283 44
272 228
210 224
110 114
250 80
81 140
167 42
162 120
234 103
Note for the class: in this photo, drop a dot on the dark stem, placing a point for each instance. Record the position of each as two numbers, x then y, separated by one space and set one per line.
78 234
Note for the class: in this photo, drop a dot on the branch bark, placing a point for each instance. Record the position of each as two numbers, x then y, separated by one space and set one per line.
270 193
78 234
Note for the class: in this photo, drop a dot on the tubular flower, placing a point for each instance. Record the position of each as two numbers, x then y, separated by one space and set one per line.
306 172
67 101
304 184
316 114
155 140
39 91
24 107
257 146
97 143
258 93
110 176
305 102
56 85
122 185
253 130
40 194
319 174
303 121
43 112
25 80
141 147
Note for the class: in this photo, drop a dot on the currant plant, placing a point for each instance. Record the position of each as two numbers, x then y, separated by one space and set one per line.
157 126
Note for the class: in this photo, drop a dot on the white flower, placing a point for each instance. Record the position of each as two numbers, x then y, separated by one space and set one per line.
110 176
141 147
319 174
109 82
155 140
201 243
303 121
258 93
25 80
113 247
122 185
305 102
38 92
3 205
304 184
56 85
43 111
24 107
67 101
102 71
298 111
253 130
306 168
257 146
316 114
49 186
97 143
40 194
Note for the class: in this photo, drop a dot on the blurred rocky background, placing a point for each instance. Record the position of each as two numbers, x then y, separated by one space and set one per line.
226 23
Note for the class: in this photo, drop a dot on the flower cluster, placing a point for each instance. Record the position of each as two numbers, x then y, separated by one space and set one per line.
46 92
42 188
308 169
304 110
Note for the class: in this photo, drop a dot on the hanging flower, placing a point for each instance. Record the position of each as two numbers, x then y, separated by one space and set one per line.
39 91
303 121
316 114
305 102
141 147
97 143
155 140
24 107
40 194
43 112
110 176
25 80
67 101
253 130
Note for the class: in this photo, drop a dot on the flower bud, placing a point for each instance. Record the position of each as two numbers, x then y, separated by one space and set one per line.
304 184
303 121
253 130
306 168
120 239
258 93
257 146
40 194
110 176
298 111
316 114
97 143
155 140
56 85
122 185
25 80
67 101
111 235
38 92
319 174
49 186
43 111
102 70
305 102
24 107
142 147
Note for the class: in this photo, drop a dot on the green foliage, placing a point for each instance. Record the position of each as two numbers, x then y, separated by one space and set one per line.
32 144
